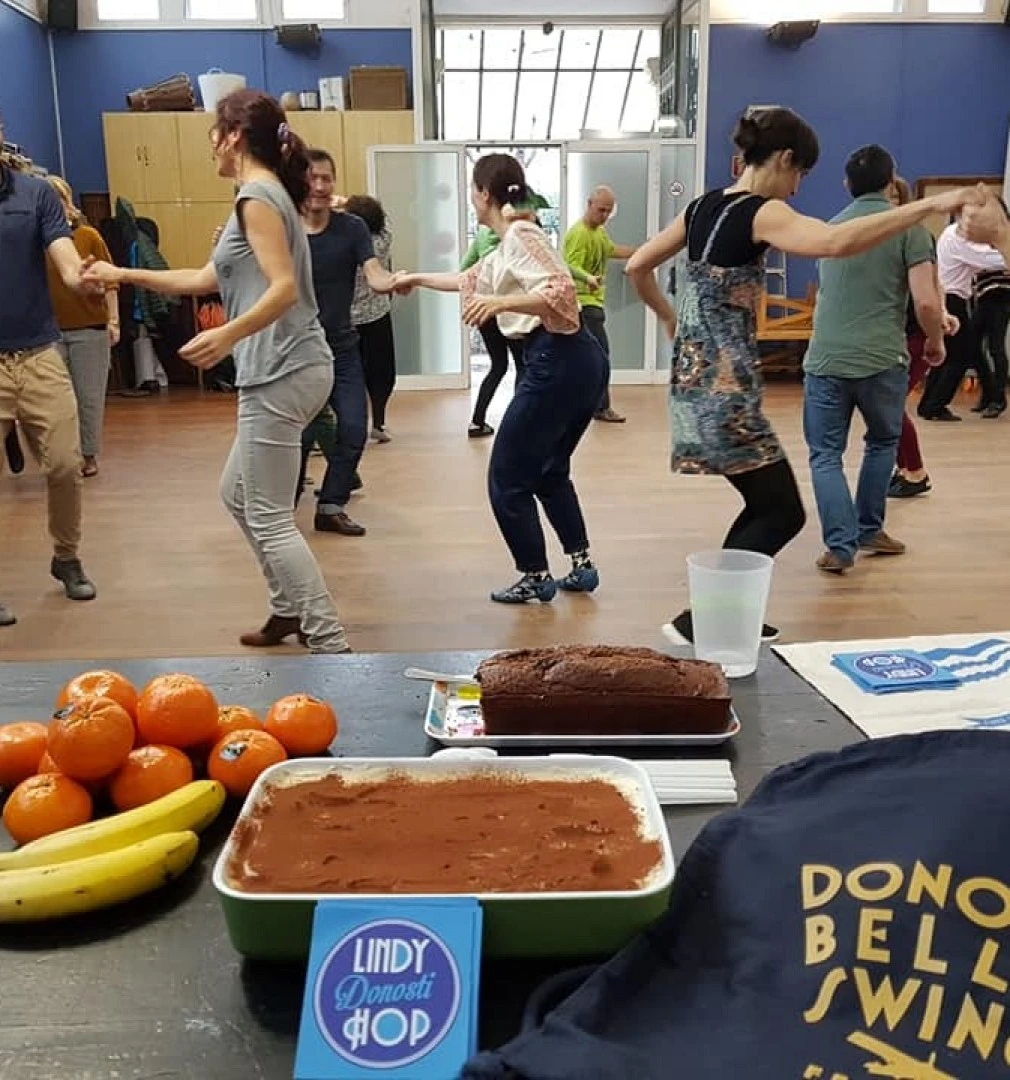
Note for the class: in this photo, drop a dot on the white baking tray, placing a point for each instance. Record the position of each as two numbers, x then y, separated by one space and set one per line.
455 720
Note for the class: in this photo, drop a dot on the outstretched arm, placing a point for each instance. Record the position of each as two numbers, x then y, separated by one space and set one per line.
169 282
779 225
438 282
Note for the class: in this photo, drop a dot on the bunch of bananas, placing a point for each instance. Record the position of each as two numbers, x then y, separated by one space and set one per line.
108 861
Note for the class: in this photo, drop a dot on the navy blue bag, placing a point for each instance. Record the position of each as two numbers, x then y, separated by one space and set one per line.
851 920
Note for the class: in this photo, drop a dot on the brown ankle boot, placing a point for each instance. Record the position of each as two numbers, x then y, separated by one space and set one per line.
273 632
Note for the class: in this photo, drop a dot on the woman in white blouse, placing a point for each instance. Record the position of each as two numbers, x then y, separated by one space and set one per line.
525 285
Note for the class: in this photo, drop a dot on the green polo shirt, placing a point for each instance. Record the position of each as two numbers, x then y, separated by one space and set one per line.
862 303
587 252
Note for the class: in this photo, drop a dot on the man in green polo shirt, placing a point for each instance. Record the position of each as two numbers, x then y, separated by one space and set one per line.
858 361
587 250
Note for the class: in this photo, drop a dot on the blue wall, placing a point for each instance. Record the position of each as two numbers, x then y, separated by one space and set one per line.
26 89
97 68
937 96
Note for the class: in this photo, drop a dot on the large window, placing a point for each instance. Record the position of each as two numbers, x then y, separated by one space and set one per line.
313 10
128 10
222 10
512 83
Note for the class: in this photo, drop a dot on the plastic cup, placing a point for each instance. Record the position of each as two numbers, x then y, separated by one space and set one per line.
729 595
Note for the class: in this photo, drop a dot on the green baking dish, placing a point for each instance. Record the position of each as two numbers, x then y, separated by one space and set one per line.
279 926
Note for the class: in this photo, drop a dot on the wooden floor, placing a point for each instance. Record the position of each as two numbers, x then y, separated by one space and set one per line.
175 578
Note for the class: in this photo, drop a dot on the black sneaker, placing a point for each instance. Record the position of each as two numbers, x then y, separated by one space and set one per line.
75 582
903 488
528 587
6 616
681 630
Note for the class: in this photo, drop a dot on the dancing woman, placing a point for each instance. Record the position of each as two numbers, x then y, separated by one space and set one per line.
716 389
525 285
284 367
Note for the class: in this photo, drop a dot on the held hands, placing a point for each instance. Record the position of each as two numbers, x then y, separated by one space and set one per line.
403 283
934 352
985 222
478 309
951 202
209 347
98 275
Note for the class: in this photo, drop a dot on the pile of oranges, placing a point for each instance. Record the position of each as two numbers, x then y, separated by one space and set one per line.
109 742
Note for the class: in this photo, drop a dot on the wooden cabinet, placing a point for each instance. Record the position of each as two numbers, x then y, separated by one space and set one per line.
163 163
365 129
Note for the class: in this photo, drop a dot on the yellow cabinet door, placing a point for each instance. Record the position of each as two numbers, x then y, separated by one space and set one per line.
201 219
364 129
170 218
124 161
159 144
199 180
322 131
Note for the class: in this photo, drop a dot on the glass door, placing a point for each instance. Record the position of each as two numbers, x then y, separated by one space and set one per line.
423 191
631 170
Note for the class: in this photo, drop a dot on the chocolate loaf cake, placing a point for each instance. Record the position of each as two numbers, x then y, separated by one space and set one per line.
601 690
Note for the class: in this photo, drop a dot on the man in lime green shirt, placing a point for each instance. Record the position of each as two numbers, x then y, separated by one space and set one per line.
587 250
858 362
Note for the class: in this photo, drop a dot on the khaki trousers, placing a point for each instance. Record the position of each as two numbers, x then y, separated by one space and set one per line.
36 391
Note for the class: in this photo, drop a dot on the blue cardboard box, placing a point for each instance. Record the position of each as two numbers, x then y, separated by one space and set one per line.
392 990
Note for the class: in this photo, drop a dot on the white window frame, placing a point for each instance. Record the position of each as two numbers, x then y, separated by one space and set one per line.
358 15
734 11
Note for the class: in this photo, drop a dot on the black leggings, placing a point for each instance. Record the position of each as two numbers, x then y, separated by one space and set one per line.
992 317
498 348
773 511
378 355
964 351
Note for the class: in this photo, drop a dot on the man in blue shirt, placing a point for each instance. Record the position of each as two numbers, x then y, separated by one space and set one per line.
340 243
35 387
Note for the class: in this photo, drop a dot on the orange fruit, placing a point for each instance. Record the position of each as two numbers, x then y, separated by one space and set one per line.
21 748
302 724
149 773
45 804
241 756
46 765
235 718
90 738
106 684
176 710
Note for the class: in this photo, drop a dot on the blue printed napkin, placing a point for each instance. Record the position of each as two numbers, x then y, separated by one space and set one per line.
894 672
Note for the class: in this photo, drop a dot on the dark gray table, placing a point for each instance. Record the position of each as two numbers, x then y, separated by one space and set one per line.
153 989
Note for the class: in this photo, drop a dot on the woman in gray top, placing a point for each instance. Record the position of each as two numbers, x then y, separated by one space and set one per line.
370 314
284 368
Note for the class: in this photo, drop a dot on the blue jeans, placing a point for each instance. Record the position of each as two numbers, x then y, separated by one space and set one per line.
531 460
828 404
349 400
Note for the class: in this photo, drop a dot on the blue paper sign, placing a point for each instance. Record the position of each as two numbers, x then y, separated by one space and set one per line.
895 671
387 994
392 990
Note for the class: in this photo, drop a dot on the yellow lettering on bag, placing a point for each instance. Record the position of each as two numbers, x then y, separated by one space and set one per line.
814 897
832 981
965 899
970 1025
870 894
924 960
821 943
882 1000
869 931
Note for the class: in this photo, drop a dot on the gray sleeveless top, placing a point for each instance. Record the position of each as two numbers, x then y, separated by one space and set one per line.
296 339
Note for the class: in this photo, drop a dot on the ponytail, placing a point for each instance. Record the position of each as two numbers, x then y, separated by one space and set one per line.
293 170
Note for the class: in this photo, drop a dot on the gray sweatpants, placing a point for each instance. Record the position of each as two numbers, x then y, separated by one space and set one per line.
87 354
256 486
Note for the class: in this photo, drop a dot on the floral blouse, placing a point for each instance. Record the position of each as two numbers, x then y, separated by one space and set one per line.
525 262
368 306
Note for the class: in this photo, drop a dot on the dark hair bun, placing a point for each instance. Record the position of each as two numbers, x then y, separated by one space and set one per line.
745 136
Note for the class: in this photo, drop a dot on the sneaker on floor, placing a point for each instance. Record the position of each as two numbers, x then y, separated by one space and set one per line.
6 616
527 588
833 563
70 574
380 435
609 416
338 523
479 431
903 488
580 579
680 630
882 544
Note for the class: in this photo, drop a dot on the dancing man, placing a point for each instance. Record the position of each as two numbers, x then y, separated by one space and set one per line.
588 250
340 243
35 387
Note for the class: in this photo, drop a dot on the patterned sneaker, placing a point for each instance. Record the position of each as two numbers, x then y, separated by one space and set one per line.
580 579
71 575
527 588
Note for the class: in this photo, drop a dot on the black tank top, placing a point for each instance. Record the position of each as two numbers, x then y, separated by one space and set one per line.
734 243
